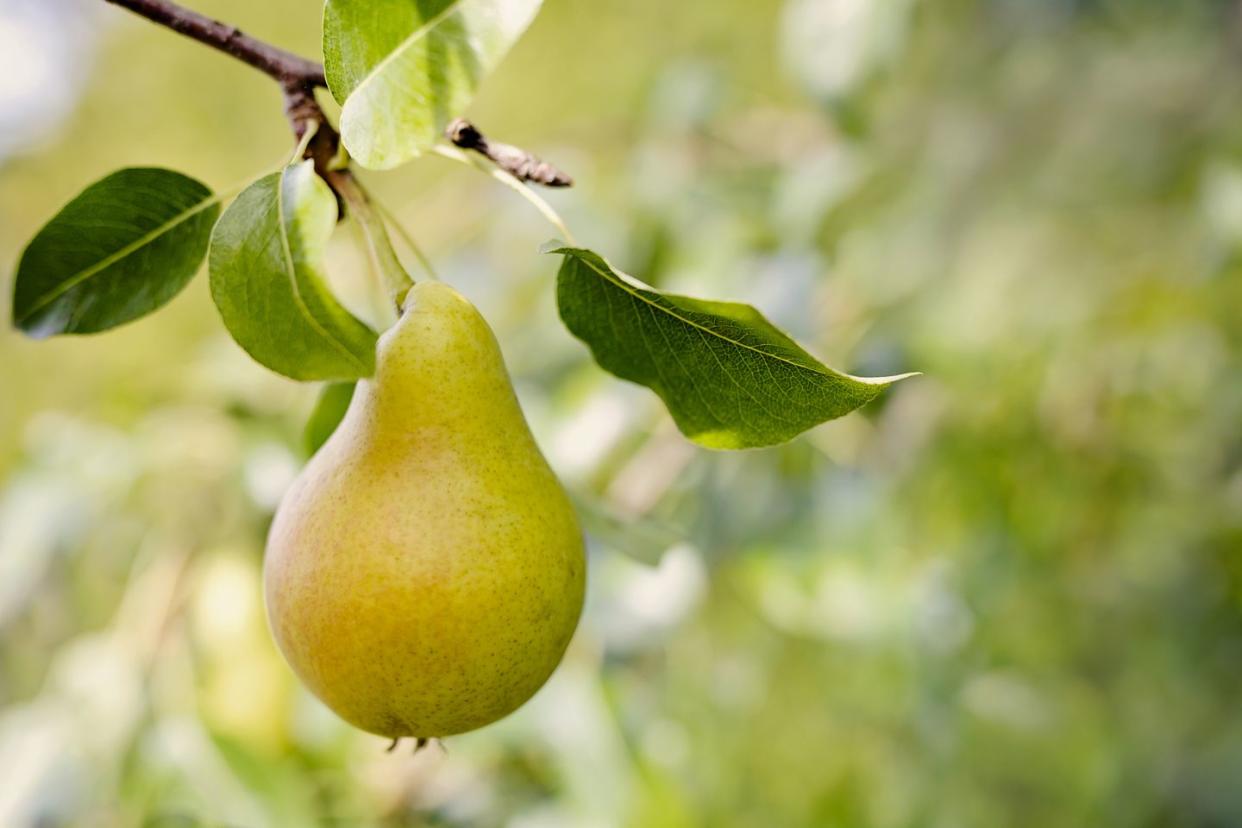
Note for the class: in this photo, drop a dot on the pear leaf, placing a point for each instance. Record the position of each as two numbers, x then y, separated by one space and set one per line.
402 69
330 408
121 249
729 377
267 280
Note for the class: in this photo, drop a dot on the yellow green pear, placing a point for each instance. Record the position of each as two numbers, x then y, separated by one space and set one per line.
425 572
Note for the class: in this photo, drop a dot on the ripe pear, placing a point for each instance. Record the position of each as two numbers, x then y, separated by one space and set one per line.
425 572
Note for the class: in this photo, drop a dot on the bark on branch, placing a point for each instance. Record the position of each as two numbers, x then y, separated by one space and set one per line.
299 78
516 161
286 67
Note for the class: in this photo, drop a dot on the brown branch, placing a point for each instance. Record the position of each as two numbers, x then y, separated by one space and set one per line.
516 161
299 77
287 68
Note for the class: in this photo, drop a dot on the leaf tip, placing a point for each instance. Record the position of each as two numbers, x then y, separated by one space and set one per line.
552 246
887 381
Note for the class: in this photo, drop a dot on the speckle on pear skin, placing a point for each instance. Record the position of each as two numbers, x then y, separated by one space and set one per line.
425 572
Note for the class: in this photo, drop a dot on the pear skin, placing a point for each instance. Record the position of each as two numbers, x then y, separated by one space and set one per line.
425 572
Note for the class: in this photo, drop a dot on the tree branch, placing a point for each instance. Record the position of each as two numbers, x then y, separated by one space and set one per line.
516 161
299 78
285 67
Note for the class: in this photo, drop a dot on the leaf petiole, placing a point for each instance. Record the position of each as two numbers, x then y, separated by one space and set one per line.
506 178
308 135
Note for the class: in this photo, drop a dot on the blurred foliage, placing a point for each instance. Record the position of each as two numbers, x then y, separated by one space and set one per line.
1008 593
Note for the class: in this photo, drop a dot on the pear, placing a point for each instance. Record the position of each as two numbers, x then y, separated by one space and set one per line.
425 572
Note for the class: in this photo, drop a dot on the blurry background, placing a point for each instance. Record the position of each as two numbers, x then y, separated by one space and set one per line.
1007 594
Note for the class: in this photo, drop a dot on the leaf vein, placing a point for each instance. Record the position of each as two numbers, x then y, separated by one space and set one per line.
120 255
633 292
291 272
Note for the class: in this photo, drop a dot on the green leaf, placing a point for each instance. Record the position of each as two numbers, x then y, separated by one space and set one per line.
330 409
267 280
124 247
730 378
402 69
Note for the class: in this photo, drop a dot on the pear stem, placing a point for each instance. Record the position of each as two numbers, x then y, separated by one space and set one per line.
395 281
408 240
